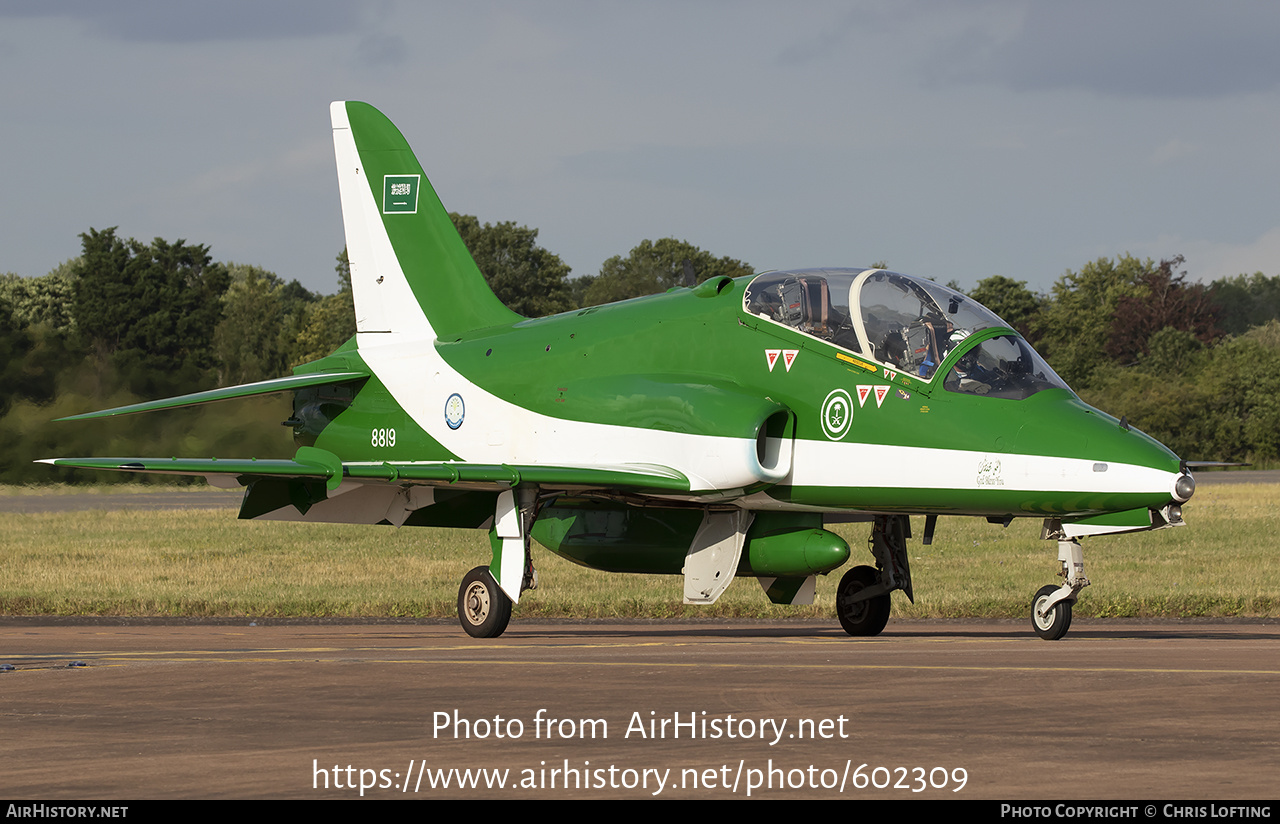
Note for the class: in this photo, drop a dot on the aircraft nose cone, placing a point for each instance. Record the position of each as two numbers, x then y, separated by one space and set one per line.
1184 488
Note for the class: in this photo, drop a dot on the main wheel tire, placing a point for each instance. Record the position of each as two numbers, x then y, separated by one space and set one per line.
484 610
1054 624
865 618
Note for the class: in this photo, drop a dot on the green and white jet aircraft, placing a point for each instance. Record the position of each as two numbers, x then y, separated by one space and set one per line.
710 431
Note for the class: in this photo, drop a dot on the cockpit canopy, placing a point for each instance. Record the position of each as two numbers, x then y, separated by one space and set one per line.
910 324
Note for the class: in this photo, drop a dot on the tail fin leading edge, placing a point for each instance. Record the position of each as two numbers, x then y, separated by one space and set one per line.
407 260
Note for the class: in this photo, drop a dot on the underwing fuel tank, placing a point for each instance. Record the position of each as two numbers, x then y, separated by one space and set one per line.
653 540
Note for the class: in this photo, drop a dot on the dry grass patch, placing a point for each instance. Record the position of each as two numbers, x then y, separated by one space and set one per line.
208 563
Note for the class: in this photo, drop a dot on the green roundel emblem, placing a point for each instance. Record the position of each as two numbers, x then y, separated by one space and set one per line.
454 411
837 414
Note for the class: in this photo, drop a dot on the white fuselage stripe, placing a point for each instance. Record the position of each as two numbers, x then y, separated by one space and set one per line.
397 342
827 464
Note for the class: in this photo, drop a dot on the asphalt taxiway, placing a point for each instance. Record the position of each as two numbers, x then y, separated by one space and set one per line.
972 709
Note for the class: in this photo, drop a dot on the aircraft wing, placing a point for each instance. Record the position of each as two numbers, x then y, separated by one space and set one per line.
318 464
312 466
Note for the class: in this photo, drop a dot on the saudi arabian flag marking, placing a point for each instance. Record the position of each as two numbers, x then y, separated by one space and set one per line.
400 194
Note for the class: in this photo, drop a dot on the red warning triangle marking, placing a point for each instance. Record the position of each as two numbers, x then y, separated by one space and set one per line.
881 391
789 357
771 355
863 392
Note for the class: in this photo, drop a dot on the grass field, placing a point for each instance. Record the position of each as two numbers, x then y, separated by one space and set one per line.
207 563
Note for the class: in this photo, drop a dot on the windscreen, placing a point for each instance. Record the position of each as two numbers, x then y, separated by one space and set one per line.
913 323
1002 367
908 323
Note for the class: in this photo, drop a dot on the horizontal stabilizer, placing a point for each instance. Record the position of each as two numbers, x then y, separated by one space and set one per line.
246 390
253 467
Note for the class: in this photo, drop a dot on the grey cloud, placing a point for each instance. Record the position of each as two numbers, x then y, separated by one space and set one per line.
174 22
382 50
1149 49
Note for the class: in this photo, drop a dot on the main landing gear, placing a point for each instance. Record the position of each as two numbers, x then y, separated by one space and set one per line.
1051 607
484 610
862 599
485 601
864 617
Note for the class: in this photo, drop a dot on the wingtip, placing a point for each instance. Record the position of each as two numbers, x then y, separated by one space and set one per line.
81 416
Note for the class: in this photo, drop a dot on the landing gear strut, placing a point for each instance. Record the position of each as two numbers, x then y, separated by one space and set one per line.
488 593
1051 607
862 599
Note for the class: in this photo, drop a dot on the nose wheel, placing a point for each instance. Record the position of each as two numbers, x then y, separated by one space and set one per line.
1051 621
484 610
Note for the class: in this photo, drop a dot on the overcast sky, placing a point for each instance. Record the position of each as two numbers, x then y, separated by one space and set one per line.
952 139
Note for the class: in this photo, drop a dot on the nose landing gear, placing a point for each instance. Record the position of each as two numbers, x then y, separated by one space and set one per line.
1051 607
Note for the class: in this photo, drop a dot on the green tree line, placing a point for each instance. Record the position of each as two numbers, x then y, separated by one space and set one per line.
127 321
1194 365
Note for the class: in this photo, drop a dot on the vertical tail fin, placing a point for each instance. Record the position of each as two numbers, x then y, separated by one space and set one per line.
411 273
